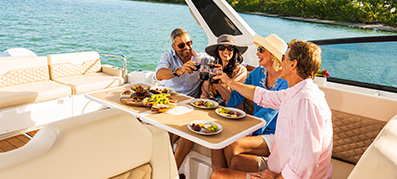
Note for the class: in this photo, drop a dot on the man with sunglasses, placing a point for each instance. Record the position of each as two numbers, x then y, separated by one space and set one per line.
302 145
176 67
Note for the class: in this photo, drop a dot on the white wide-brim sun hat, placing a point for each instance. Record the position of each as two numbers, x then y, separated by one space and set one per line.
273 43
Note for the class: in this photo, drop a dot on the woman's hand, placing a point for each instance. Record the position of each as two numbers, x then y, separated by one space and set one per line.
223 77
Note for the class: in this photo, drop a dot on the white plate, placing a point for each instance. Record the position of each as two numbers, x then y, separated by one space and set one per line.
203 107
242 113
220 128
179 110
162 88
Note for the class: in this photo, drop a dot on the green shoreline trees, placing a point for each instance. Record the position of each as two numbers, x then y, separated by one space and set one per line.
354 11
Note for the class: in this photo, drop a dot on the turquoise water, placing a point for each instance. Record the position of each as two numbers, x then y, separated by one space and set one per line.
138 30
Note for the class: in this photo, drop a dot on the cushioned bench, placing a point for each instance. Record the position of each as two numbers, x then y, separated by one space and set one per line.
109 143
83 72
26 80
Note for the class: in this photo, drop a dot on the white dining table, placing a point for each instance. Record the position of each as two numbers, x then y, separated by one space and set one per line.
177 119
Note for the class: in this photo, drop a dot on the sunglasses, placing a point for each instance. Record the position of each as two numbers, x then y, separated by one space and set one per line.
261 49
182 45
229 48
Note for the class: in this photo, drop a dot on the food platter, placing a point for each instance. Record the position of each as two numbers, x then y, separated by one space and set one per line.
203 129
158 98
233 114
204 103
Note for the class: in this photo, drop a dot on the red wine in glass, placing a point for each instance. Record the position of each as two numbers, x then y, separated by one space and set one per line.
212 80
197 66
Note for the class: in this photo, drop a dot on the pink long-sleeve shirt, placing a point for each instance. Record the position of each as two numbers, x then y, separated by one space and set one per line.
302 145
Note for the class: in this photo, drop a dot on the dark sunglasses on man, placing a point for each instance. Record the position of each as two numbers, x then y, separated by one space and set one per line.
229 48
182 45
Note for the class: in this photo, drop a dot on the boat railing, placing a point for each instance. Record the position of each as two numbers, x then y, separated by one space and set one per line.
124 70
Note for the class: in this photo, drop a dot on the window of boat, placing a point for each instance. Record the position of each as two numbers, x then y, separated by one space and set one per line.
367 62
217 21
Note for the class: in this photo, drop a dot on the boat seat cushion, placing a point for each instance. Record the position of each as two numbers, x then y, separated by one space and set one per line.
90 82
142 172
99 144
23 70
32 92
71 64
83 72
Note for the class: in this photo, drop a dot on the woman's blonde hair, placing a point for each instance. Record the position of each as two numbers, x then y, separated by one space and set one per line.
276 63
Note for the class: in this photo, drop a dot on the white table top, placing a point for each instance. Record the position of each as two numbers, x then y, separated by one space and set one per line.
176 120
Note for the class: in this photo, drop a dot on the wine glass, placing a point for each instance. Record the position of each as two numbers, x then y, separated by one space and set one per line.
204 72
214 72
197 62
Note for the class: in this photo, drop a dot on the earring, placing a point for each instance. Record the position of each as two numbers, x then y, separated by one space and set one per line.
272 59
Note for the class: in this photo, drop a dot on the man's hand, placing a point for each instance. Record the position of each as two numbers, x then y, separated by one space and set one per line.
186 68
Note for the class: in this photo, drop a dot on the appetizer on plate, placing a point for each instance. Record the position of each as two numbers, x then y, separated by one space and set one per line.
231 113
205 127
204 103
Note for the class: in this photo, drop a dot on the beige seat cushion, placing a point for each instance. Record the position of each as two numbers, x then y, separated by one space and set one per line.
16 71
71 64
32 92
100 144
141 172
90 82
82 72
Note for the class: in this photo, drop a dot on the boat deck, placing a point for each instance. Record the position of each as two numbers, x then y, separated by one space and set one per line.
16 141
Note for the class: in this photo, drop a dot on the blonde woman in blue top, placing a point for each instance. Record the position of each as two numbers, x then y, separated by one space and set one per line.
241 155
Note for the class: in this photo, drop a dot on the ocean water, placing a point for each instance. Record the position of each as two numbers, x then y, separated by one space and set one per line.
141 31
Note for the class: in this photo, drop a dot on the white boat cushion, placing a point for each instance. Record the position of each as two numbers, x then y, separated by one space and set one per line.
70 64
100 144
32 92
90 82
22 70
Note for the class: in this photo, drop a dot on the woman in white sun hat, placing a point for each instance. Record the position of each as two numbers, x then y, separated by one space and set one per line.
266 75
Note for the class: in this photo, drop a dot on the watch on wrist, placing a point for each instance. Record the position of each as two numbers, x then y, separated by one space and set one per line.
174 72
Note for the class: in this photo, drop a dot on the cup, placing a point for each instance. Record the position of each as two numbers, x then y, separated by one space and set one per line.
214 72
204 72
197 63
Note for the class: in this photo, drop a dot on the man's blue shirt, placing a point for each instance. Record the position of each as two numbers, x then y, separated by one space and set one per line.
188 84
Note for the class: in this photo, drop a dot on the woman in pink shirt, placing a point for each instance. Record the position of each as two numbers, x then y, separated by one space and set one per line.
302 145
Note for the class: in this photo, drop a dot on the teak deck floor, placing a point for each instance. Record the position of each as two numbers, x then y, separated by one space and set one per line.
16 141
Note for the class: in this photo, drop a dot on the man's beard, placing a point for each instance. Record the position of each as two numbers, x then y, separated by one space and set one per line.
184 54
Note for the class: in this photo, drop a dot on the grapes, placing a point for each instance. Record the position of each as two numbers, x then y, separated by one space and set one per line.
227 112
208 128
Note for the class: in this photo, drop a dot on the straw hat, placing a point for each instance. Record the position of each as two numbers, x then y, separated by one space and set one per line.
274 44
224 39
